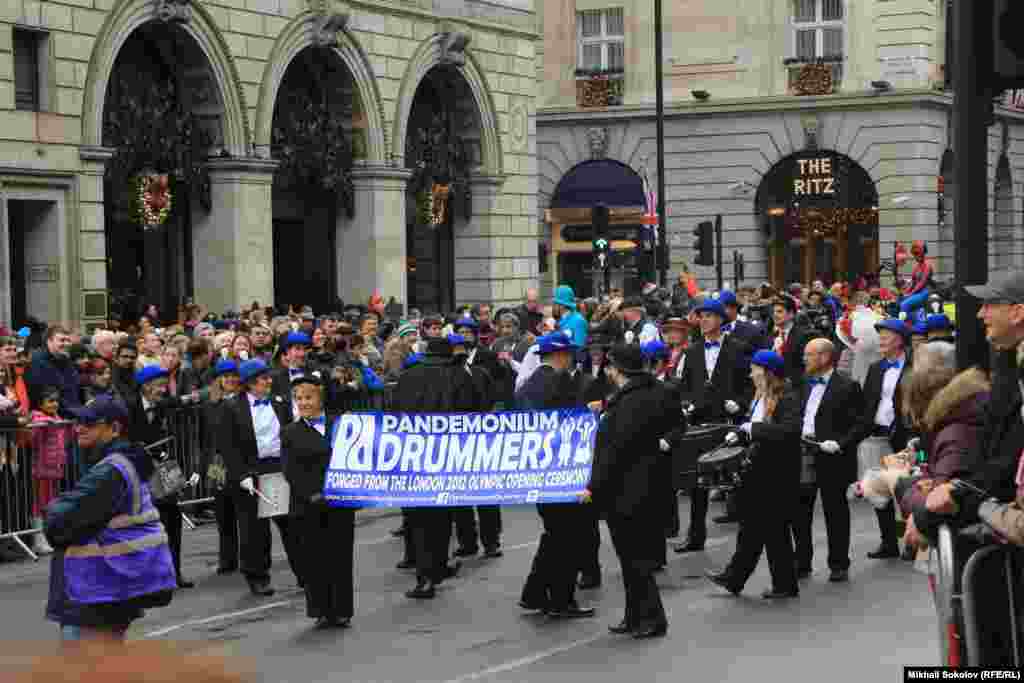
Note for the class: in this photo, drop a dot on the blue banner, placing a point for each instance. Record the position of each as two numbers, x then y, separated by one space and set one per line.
456 459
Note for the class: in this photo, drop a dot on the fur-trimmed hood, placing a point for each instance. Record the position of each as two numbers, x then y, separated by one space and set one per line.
963 399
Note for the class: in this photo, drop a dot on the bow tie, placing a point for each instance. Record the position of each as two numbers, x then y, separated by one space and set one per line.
712 345
314 421
891 365
294 373
728 328
262 402
817 380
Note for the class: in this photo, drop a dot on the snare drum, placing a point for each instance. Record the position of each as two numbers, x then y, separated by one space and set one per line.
698 440
721 468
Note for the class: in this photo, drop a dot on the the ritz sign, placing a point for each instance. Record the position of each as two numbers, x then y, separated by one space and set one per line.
814 177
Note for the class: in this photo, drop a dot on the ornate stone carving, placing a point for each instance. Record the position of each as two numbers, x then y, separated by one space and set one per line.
327 27
811 125
453 48
597 141
518 124
178 11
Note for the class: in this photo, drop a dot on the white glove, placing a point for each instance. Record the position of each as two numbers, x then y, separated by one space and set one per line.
193 480
746 427
665 447
732 407
731 438
247 484
831 447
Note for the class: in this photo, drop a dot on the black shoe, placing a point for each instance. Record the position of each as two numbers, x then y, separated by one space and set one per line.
884 552
425 590
261 588
690 546
779 595
341 623
221 571
533 606
466 552
572 612
653 631
182 583
803 572
322 623
589 582
621 628
722 579
399 532
406 563
493 552
725 519
839 576
451 571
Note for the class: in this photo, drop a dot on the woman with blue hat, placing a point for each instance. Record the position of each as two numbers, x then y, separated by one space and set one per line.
225 386
569 319
770 484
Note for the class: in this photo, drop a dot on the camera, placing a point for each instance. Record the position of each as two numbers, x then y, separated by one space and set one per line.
818 319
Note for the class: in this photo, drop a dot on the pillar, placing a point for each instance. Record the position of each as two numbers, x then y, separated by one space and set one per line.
233 246
371 246
92 245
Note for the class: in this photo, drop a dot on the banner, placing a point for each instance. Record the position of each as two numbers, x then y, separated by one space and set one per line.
460 459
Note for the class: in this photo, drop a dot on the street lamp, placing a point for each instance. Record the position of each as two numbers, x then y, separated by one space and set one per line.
659 105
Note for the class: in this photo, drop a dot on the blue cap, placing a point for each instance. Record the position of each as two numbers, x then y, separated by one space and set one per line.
655 350
770 361
104 408
150 373
727 298
938 322
466 322
712 306
225 367
555 341
893 325
456 339
564 296
296 339
251 369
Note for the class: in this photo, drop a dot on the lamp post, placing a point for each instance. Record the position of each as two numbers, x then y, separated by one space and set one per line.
659 106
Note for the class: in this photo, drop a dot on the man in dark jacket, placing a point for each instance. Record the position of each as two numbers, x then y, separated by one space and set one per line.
752 336
52 367
627 467
790 337
124 369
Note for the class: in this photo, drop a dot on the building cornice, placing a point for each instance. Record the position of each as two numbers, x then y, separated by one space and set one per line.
403 10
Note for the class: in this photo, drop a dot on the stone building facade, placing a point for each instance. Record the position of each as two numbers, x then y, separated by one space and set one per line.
752 90
56 63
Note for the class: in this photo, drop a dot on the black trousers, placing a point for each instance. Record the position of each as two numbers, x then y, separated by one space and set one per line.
887 527
170 517
227 530
466 528
764 525
698 532
635 540
256 541
837 525
590 543
430 530
552 579
329 580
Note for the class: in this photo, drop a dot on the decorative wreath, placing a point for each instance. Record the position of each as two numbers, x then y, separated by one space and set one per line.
153 196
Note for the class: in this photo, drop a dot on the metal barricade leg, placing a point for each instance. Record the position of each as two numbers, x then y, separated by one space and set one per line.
974 630
21 544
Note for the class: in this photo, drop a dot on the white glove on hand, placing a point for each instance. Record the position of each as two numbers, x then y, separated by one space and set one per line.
193 480
732 407
732 438
746 427
830 447
247 484
665 447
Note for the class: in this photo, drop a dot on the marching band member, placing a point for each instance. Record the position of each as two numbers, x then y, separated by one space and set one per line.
306 451
676 332
790 337
715 381
656 355
770 485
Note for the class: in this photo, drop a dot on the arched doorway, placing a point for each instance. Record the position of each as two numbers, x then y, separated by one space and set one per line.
163 115
442 148
1002 245
819 210
316 133
620 188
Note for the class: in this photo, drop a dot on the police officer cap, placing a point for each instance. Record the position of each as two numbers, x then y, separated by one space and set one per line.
149 373
104 408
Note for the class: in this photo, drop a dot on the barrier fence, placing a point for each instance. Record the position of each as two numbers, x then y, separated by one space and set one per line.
31 456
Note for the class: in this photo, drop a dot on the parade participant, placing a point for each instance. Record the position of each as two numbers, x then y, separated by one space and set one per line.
306 451
790 337
770 484
752 336
676 332
224 386
250 442
715 381
940 328
831 406
551 585
627 466
915 294
433 385
918 336
639 329
882 430
294 348
656 355
112 559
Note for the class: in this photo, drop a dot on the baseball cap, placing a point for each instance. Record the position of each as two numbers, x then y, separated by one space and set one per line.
1007 288
102 409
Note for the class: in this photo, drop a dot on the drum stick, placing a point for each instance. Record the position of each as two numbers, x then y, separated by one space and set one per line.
265 499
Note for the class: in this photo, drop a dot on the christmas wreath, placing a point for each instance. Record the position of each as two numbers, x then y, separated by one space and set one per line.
152 199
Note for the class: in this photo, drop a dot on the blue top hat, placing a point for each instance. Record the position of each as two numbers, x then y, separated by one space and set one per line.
150 373
564 296
770 361
893 325
553 342
225 367
296 339
939 322
712 306
251 369
466 322
727 298
655 350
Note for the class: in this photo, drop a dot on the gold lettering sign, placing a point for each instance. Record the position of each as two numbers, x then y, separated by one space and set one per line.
814 177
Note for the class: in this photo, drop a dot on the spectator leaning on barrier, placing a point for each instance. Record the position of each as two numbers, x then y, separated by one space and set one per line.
52 367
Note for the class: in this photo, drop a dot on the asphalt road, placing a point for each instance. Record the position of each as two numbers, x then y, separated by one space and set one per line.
866 630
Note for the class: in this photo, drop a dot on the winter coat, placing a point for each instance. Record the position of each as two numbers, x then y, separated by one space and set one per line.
49 443
48 370
955 423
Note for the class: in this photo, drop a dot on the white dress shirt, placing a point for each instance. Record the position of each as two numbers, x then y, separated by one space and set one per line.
757 415
711 356
147 408
529 365
267 429
813 403
319 426
886 413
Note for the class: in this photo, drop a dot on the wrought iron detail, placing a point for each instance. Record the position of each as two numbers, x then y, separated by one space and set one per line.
327 27
176 11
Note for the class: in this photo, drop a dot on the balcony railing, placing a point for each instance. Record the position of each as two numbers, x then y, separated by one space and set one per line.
599 88
818 76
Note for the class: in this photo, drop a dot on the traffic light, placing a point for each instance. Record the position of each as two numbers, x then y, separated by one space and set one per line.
705 245
600 245
1008 44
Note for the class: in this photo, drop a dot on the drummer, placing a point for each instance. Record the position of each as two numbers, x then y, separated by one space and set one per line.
770 484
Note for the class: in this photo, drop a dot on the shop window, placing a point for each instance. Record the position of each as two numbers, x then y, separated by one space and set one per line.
30 51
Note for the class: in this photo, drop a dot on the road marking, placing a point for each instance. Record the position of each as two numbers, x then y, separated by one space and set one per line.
219 617
526 661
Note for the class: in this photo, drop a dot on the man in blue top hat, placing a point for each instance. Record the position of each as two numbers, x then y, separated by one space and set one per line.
293 359
751 335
